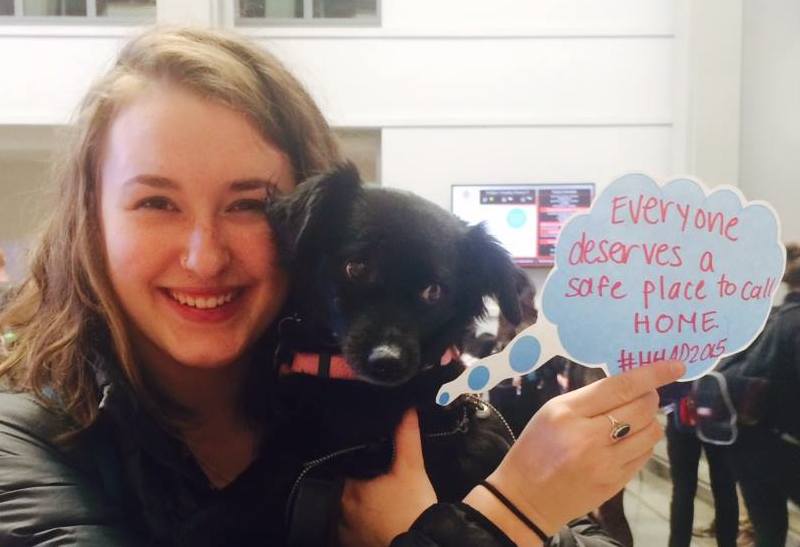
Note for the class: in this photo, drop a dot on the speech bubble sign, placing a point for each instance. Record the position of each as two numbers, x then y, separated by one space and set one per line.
649 273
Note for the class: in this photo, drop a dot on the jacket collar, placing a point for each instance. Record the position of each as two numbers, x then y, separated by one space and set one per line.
137 432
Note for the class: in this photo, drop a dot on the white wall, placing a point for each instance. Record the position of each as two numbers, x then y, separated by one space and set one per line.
464 90
616 16
22 183
44 77
485 81
502 91
24 203
507 91
428 160
770 142
712 30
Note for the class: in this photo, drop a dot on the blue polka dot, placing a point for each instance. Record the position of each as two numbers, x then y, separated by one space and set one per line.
516 218
524 354
444 398
478 377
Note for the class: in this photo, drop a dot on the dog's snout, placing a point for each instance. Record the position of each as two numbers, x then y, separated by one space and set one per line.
386 355
385 360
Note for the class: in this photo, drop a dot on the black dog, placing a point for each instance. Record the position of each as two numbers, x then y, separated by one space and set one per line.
387 283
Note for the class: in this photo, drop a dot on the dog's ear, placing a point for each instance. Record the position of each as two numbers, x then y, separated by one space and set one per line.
494 270
310 218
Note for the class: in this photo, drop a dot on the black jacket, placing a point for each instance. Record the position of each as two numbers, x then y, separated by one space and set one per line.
783 409
125 481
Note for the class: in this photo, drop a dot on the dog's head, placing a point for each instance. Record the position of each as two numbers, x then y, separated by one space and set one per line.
395 278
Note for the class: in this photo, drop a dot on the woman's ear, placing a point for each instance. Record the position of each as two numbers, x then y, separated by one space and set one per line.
494 271
309 219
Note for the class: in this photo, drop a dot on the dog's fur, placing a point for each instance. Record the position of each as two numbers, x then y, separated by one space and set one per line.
391 281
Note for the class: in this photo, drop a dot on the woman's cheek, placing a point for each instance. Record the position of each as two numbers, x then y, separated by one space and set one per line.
256 249
133 251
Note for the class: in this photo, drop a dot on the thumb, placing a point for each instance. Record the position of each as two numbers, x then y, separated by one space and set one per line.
408 443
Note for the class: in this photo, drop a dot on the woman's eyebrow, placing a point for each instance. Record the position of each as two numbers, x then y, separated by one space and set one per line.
251 184
155 181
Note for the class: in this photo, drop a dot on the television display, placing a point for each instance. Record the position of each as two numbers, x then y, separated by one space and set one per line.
525 218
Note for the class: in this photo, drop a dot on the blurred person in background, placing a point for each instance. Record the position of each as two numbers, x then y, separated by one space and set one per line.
683 450
519 398
766 455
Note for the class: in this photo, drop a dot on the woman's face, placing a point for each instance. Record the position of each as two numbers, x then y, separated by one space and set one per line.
183 182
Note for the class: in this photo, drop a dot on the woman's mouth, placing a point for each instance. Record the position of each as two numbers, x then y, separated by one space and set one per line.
204 302
206 306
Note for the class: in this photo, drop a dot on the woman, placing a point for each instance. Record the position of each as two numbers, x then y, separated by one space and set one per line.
143 328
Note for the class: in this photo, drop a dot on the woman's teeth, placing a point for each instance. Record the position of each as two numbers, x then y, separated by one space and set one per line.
202 303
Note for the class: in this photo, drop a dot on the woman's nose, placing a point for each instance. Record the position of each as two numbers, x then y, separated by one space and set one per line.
207 255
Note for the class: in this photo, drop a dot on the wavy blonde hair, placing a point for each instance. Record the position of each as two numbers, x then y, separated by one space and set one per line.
67 296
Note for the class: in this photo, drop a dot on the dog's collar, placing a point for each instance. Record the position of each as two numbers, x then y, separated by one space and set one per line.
326 365
323 365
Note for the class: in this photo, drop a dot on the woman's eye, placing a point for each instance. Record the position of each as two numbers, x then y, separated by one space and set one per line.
158 203
249 205
432 293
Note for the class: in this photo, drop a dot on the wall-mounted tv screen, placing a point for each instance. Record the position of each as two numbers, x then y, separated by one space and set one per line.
525 218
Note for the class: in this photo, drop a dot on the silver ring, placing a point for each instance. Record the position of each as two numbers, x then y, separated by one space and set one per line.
618 429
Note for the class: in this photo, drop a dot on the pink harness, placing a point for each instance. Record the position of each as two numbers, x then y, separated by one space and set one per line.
326 365
315 365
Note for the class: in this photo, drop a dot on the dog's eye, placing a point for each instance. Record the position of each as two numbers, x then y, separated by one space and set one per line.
355 270
432 293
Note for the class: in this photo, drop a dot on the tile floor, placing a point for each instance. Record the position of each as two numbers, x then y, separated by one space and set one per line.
647 508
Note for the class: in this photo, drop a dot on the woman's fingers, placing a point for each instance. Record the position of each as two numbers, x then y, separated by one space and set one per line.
408 443
637 414
375 511
565 462
602 397
636 446
630 469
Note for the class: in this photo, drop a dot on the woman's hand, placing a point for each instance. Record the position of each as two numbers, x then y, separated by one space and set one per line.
375 511
565 463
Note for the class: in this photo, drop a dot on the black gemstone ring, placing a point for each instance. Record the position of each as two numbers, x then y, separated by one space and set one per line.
618 429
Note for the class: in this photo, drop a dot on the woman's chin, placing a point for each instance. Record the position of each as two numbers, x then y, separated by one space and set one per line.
205 358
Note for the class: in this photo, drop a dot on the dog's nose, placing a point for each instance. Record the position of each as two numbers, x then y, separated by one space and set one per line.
385 360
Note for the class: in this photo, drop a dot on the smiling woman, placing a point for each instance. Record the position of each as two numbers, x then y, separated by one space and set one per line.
172 151
142 356
158 274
